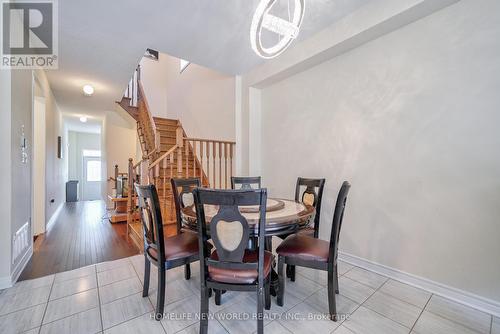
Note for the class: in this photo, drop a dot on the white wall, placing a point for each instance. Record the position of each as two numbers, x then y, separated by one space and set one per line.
55 168
5 175
79 141
411 120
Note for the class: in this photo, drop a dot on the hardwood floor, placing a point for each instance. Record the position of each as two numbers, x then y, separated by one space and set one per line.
81 235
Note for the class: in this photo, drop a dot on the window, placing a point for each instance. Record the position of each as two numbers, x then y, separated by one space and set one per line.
184 64
91 153
93 171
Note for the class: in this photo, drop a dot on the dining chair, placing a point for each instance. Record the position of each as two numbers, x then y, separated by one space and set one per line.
306 251
245 182
310 192
182 190
232 265
164 253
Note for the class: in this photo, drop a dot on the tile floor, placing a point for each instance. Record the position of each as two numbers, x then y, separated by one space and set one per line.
106 298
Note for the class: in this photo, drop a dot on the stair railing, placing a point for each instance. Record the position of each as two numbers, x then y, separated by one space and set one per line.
215 160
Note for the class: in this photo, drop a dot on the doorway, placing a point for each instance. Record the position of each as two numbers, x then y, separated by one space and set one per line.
92 179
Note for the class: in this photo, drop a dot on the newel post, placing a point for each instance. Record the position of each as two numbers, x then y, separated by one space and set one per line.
130 207
116 177
179 134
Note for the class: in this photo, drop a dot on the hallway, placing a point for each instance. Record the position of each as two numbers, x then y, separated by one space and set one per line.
81 236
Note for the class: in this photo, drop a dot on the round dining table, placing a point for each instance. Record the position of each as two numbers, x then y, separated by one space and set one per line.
283 217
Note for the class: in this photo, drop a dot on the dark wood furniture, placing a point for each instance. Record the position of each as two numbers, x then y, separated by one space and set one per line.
312 195
290 218
232 265
306 251
245 182
308 191
182 190
164 253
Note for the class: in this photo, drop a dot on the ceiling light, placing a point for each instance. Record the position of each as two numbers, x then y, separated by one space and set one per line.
88 90
83 119
288 30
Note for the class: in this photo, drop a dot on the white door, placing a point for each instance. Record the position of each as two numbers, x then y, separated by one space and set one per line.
91 185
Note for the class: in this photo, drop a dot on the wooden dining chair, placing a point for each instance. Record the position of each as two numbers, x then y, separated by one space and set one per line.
306 251
232 265
310 192
182 190
164 253
245 182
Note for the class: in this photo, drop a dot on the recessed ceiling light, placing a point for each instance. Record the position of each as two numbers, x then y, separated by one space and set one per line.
83 119
88 90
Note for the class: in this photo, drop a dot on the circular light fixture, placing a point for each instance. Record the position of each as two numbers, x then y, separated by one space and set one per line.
88 90
288 30
83 119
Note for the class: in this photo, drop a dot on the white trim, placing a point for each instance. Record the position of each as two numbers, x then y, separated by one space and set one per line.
52 219
21 265
238 123
480 303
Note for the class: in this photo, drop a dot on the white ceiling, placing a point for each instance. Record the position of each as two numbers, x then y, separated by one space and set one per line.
100 42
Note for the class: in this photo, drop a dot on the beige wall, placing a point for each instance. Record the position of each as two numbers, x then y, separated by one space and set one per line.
120 138
411 119
201 98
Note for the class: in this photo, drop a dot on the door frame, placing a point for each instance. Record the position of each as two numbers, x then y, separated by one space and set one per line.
39 151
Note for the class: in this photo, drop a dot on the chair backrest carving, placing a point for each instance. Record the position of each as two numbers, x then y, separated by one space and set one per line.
245 182
152 223
310 192
229 229
182 190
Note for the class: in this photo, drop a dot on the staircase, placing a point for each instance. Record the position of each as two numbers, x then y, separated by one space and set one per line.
167 152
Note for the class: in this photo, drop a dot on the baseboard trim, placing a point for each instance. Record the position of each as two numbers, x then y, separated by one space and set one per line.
22 264
52 219
8 281
460 296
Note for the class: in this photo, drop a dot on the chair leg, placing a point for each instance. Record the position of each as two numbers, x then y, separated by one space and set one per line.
147 271
281 281
292 273
288 271
204 310
332 306
260 310
218 295
336 280
187 271
267 294
160 297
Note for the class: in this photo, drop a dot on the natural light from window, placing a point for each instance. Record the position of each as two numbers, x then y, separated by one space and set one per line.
184 64
94 171
91 153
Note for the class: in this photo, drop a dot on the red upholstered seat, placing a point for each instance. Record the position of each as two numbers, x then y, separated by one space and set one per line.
240 276
178 246
304 247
